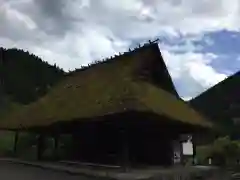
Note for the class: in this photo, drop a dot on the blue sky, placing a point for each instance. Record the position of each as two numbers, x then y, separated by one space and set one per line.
226 45
223 45
199 40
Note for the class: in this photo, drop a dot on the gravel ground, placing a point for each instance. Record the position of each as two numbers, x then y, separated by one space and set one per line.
12 171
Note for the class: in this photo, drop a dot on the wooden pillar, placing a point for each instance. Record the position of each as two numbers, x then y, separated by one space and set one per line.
56 144
75 154
126 164
125 150
181 153
177 149
40 146
16 137
194 150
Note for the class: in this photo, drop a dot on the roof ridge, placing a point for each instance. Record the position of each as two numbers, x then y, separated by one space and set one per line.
113 57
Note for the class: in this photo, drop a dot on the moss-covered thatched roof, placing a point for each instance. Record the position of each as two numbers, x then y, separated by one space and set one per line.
221 102
135 81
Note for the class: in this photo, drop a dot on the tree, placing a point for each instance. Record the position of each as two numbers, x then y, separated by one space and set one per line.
223 152
24 78
22 73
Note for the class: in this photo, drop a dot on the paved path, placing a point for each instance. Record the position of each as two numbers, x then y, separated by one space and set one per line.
11 171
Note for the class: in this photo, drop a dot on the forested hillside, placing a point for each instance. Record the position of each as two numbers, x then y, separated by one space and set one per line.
24 77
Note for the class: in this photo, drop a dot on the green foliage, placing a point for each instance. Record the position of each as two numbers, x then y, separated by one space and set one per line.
24 76
6 142
218 103
203 152
223 152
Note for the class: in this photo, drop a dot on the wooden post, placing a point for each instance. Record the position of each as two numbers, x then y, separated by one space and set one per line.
181 152
40 146
56 143
177 149
126 156
125 150
16 137
194 150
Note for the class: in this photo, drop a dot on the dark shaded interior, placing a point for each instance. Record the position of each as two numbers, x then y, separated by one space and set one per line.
134 138
105 142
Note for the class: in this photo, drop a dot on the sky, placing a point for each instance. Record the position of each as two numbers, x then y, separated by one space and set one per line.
199 40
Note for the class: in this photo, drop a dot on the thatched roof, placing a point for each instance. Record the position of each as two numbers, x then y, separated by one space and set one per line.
221 102
136 81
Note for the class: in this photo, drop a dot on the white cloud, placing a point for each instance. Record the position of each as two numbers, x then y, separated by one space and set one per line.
204 73
76 50
12 15
73 33
193 69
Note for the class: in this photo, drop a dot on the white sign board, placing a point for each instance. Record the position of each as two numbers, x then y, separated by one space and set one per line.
187 148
